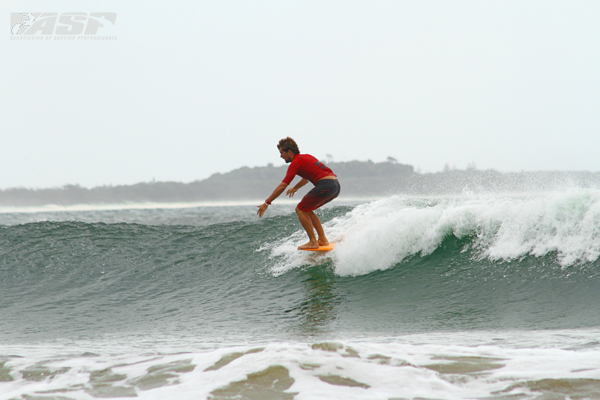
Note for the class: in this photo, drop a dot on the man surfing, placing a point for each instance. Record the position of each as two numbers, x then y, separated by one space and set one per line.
326 189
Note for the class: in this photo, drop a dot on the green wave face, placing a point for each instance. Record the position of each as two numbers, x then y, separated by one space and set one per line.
401 266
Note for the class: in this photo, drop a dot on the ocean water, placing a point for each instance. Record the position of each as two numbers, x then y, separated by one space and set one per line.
491 296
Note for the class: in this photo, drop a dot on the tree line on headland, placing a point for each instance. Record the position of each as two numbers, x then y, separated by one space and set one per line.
357 178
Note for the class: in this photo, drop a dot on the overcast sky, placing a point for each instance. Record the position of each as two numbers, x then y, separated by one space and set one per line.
190 88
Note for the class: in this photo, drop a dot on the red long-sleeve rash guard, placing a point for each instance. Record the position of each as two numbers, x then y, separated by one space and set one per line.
307 167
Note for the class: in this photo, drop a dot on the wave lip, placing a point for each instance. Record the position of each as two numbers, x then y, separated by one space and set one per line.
383 233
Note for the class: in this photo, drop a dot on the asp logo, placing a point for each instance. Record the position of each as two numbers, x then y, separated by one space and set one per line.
70 23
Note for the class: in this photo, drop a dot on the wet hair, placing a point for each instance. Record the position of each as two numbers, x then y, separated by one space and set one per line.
288 144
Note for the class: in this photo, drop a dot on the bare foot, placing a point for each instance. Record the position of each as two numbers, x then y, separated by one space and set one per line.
309 245
323 242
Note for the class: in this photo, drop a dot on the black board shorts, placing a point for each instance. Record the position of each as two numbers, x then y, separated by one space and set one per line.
324 191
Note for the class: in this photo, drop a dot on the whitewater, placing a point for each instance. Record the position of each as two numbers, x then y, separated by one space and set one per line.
477 296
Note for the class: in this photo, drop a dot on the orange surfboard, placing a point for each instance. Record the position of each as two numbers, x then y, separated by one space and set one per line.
329 247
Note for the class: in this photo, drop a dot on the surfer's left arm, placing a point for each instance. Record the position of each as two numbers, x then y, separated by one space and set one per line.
276 193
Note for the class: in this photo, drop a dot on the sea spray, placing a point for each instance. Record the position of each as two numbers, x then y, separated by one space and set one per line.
384 233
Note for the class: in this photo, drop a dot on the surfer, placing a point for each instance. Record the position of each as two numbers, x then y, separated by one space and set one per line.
326 189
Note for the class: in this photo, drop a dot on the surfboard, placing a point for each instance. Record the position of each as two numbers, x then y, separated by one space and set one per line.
329 247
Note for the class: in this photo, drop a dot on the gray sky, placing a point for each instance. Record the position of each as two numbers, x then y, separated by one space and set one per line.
190 88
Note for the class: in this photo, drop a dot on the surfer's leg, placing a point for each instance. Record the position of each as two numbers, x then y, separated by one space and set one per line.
325 191
307 224
319 228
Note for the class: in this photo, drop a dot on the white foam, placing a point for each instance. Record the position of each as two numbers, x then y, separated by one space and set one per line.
150 205
405 367
380 234
123 206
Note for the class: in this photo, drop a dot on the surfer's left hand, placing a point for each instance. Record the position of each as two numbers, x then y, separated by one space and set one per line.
261 209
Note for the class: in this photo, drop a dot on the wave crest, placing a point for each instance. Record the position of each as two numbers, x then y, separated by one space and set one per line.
383 233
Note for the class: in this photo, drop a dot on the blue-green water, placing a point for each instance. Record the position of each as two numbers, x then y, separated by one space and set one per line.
480 280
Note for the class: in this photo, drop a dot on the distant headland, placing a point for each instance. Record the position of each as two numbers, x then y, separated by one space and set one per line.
357 178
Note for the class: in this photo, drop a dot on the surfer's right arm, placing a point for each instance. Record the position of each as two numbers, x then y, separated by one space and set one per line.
291 192
276 193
